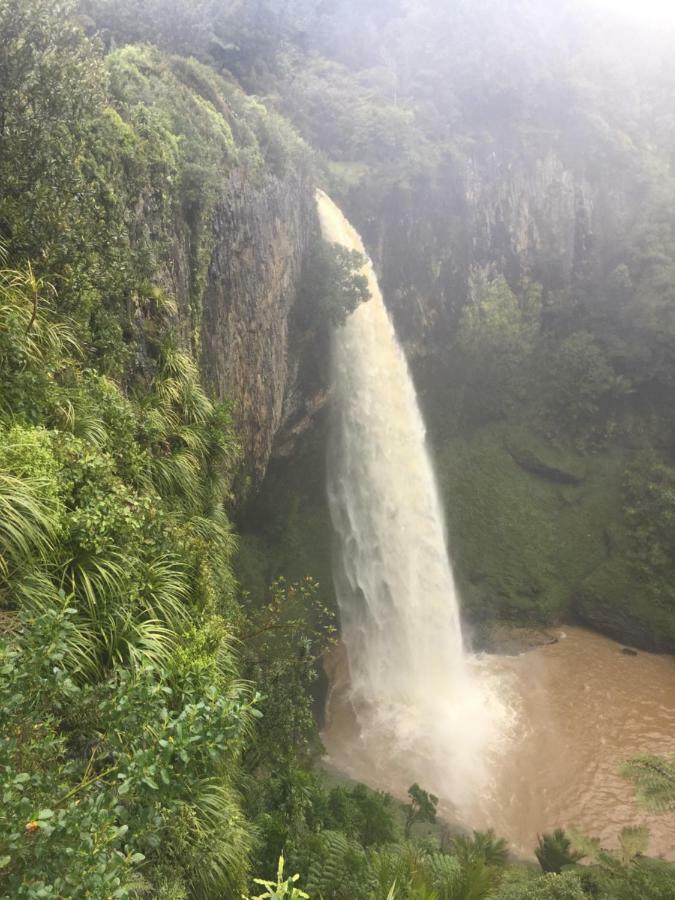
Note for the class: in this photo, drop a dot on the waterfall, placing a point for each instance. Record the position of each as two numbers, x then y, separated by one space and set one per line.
412 685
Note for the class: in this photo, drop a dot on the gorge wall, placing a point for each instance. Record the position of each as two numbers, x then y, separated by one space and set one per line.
223 220
520 218
261 237
542 426
519 207
541 513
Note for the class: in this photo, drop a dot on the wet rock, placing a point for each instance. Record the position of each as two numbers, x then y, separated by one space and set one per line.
261 233
509 640
531 462
515 209
613 619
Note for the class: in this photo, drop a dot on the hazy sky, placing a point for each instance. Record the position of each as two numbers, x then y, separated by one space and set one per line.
648 11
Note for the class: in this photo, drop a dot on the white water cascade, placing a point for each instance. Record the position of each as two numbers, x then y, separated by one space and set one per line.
418 700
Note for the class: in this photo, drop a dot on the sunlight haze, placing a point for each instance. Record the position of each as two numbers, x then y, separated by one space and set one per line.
657 12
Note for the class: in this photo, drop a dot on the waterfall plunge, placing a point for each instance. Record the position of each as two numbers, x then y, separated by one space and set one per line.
417 696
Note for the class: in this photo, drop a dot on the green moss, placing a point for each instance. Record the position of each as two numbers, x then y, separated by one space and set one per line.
617 600
539 457
179 130
522 543
286 529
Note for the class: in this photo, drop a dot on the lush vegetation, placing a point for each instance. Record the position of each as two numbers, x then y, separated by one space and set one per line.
133 675
563 435
157 726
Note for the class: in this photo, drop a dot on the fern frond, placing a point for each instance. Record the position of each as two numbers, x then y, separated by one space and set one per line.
654 780
634 842
335 863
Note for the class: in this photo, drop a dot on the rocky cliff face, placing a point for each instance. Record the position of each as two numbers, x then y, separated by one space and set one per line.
516 209
235 289
222 216
261 234
505 213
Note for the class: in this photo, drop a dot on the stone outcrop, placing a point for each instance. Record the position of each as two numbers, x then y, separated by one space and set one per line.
520 208
618 623
261 235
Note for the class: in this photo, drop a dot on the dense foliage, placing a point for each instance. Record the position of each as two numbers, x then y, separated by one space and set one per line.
127 727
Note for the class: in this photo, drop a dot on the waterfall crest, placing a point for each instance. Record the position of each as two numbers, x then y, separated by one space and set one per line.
412 686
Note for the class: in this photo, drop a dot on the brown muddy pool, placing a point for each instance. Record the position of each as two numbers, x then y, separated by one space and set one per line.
580 708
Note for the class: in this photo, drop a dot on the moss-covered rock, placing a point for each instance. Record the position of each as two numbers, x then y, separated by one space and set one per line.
617 603
522 543
285 528
539 458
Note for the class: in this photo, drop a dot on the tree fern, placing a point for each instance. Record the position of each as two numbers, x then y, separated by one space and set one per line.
455 879
634 842
445 874
555 850
654 780
390 872
337 867
485 845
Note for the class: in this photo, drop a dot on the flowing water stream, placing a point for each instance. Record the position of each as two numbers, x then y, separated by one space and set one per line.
522 744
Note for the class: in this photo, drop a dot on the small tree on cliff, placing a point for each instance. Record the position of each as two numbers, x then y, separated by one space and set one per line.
422 807
333 284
